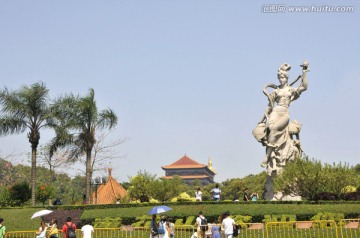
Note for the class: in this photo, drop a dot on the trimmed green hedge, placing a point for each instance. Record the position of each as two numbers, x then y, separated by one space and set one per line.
212 211
128 213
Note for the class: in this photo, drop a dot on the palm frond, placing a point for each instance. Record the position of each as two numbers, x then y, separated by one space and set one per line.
107 119
10 125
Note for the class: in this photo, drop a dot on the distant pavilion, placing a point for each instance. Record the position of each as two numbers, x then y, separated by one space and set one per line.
190 170
109 192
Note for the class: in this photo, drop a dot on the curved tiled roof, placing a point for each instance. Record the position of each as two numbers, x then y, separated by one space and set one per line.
188 176
184 162
109 192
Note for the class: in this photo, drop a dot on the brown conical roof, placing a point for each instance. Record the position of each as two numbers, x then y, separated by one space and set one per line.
109 192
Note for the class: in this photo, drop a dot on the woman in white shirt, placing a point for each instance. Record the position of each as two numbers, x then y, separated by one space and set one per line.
41 233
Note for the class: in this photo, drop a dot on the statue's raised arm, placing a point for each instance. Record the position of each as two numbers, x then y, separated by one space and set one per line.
304 82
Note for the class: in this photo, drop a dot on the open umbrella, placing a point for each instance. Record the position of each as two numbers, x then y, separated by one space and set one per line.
159 209
41 213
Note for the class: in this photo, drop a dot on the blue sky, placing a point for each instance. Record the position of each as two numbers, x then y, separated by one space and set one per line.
187 76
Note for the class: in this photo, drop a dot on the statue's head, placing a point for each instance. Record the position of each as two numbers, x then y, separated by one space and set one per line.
283 74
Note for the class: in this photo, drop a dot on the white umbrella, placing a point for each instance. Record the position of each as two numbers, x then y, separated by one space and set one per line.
41 213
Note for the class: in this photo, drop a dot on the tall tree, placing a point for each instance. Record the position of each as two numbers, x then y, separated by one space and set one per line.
78 119
26 109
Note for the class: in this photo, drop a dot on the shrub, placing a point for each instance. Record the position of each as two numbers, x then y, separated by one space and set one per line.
128 220
279 218
44 193
348 189
325 196
152 200
184 197
20 193
141 221
147 223
107 222
4 196
242 219
135 201
337 217
179 222
190 220
354 196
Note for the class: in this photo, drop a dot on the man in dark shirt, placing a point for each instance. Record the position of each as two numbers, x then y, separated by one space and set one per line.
246 196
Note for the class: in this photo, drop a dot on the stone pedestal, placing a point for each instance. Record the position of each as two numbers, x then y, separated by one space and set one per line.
269 188
270 195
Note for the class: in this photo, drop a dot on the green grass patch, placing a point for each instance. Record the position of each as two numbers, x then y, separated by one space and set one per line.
17 219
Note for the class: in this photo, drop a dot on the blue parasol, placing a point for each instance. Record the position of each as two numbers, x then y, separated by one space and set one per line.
159 209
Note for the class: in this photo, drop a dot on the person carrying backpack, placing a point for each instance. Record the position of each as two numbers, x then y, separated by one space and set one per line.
162 231
69 229
202 225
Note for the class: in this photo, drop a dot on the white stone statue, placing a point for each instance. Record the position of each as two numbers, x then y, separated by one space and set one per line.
275 131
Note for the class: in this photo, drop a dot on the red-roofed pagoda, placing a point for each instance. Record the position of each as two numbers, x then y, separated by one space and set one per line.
190 170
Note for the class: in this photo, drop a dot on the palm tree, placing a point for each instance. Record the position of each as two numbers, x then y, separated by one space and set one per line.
78 120
26 108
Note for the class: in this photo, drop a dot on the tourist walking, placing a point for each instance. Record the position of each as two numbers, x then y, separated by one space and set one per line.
254 196
162 229
153 227
54 231
198 195
87 230
215 231
229 224
171 226
41 233
246 195
216 193
201 224
69 229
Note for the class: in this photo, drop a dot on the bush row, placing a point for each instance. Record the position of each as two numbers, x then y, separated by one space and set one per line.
186 213
144 221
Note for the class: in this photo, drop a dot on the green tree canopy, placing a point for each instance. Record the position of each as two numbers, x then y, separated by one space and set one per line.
141 186
165 189
338 177
302 177
20 193
308 177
